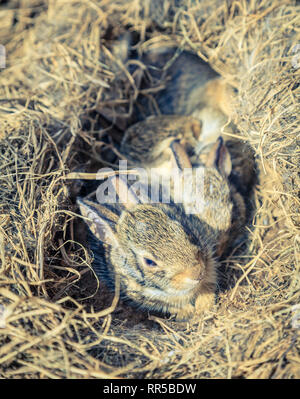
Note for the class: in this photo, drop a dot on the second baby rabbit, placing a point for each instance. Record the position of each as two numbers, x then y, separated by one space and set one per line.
192 88
147 143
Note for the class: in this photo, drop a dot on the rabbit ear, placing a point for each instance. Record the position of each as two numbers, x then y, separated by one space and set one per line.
224 164
100 220
180 158
126 195
219 157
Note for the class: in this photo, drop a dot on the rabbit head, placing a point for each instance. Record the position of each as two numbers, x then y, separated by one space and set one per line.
163 258
147 143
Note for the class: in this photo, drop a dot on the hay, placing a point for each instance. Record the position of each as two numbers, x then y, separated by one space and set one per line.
60 91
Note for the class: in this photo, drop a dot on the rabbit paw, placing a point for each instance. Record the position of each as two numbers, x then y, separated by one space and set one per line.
186 313
204 302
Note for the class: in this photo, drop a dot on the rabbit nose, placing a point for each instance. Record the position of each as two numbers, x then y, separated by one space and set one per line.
196 274
189 278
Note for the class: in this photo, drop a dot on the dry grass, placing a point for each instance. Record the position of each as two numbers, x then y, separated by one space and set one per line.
61 78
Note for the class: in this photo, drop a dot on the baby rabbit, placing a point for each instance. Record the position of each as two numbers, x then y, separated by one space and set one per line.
163 258
175 82
147 143
192 87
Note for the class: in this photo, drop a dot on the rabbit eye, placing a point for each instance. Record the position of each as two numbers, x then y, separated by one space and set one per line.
150 262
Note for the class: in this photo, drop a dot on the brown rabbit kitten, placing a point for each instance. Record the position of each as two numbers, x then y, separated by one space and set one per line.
147 143
164 258
191 83
192 87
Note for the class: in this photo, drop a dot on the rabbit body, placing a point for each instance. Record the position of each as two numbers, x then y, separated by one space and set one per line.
192 88
191 84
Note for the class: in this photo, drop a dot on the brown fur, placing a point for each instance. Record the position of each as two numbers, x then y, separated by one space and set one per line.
219 94
146 143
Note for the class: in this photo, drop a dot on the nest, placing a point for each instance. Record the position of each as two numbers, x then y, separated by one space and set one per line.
65 98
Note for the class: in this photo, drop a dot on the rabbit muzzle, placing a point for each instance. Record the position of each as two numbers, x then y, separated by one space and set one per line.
188 279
